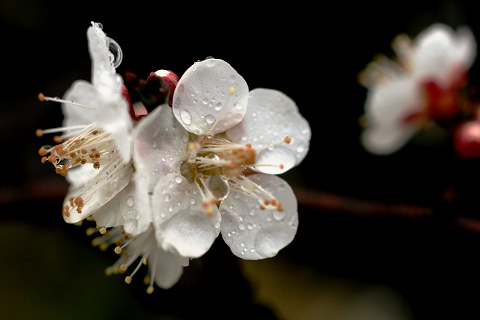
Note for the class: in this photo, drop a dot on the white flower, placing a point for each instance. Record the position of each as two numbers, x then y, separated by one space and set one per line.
423 86
234 134
97 133
164 268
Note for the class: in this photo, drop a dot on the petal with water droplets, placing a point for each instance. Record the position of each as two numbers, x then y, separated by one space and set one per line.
181 225
271 117
252 233
211 97
97 192
159 145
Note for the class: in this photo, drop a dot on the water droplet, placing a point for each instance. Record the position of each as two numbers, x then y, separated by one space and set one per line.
218 106
229 234
210 63
168 197
268 218
192 201
170 208
164 159
178 179
277 215
252 212
130 201
205 100
194 101
210 118
186 117
249 226
241 227
116 54
300 149
217 225
239 106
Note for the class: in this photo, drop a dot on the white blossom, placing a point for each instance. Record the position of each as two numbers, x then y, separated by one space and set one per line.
233 134
422 85
96 151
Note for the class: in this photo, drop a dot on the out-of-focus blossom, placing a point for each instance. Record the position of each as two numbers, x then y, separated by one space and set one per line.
425 83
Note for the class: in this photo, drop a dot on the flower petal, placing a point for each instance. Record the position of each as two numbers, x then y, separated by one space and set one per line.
98 191
252 233
110 111
167 269
109 215
181 223
159 145
211 97
104 75
134 206
271 116
439 50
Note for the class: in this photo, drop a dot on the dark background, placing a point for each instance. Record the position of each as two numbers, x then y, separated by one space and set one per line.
355 256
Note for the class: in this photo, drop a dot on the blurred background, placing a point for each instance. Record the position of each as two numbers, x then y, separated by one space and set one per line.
391 238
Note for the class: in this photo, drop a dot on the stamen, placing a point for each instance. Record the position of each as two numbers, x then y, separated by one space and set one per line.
266 200
42 98
286 140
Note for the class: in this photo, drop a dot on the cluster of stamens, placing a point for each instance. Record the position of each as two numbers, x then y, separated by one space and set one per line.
218 156
89 145
121 240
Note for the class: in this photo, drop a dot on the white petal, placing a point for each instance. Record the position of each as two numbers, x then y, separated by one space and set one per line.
271 116
134 206
84 93
159 145
109 215
77 177
98 191
211 97
110 111
439 50
104 76
383 140
181 223
167 269
392 102
252 233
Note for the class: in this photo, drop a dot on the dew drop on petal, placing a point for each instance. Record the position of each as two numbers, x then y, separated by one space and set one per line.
116 54
210 118
186 117
278 215
178 180
241 227
167 197
130 201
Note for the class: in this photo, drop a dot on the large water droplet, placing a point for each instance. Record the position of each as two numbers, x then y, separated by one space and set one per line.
210 118
130 201
116 54
205 100
186 117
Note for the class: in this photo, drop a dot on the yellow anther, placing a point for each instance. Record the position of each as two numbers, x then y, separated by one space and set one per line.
144 260
102 230
118 250
123 267
128 279
231 91
90 231
150 290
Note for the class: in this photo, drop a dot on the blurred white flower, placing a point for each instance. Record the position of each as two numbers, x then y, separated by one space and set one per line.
164 268
97 131
422 85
